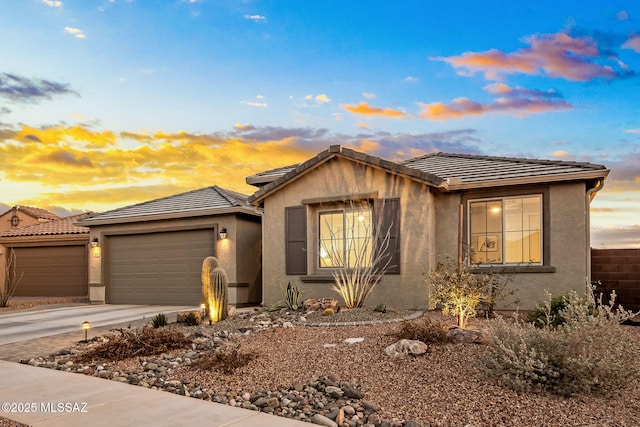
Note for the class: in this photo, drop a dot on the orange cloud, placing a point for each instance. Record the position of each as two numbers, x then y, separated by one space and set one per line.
554 55
519 102
367 110
633 43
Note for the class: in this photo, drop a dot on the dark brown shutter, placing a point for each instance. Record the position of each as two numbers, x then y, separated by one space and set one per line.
387 211
296 239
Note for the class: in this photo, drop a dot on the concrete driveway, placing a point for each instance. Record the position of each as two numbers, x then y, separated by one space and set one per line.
45 321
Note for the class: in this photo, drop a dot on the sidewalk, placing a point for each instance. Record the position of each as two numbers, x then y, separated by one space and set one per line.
65 399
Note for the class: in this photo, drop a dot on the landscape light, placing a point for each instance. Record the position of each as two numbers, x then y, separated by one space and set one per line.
223 234
86 326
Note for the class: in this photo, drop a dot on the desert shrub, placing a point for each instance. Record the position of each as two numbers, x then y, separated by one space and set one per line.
549 312
225 360
424 329
589 353
192 318
380 308
159 320
129 343
291 300
328 312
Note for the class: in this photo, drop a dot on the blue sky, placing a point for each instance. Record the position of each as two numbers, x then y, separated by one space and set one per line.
111 102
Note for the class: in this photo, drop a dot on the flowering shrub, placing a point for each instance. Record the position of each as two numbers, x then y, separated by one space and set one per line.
590 352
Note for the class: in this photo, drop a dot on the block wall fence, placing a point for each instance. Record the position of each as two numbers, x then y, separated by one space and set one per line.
619 270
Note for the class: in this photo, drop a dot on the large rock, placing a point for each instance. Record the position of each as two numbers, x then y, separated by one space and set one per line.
323 421
404 348
471 336
314 304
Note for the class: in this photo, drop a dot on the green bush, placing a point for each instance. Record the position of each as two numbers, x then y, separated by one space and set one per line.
550 312
589 353
192 318
380 308
159 320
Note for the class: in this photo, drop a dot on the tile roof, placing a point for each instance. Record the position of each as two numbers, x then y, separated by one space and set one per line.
261 178
36 213
448 171
203 201
54 227
347 153
467 171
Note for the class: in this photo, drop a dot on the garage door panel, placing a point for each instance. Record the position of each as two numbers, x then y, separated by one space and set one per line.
52 271
158 268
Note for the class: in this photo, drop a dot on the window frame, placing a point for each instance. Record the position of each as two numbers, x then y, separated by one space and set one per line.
344 210
496 193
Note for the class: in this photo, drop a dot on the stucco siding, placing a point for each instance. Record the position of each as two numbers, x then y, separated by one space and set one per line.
337 178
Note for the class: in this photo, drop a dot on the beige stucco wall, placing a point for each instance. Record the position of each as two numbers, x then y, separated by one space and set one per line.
242 235
339 177
568 246
25 220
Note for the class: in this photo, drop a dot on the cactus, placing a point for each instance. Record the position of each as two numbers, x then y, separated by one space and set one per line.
214 289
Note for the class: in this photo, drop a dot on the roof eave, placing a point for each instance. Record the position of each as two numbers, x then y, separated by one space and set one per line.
79 238
176 215
573 176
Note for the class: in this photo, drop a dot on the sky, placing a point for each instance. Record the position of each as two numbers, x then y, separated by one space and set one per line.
107 103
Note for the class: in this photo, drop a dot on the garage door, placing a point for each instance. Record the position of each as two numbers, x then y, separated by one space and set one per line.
53 271
158 268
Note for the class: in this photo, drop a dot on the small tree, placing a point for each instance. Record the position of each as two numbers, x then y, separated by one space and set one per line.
357 249
459 292
12 278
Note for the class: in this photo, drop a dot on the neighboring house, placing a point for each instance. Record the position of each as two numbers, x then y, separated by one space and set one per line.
524 216
24 216
152 252
52 256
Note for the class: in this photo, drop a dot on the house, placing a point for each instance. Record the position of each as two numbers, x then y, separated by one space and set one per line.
24 216
524 216
51 256
152 252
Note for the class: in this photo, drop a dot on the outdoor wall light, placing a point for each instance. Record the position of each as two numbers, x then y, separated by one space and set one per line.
94 242
223 234
86 326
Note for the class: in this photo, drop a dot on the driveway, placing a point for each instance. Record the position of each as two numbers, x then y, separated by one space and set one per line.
45 321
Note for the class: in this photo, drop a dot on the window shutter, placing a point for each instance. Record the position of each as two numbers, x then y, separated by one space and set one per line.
387 214
296 240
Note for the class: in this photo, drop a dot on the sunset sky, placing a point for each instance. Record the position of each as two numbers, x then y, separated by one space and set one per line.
106 103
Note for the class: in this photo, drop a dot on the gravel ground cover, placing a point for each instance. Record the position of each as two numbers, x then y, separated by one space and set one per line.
445 387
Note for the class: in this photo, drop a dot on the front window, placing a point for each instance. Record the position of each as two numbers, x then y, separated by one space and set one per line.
506 230
345 238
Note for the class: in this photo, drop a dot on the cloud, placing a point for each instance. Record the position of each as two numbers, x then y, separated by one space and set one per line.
622 15
52 3
85 169
559 154
365 109
615 237
75 32
411 79
633 43
519 102
22 89
368 95
322 99
632 131
256 18
4 110
254 104
554 55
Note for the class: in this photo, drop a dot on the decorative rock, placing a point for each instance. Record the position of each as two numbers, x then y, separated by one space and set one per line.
329 345
353 340
323 421
370 406
334 392
312 304
471 336
334 377
287 325
151 366
404 348
340 417
352 392
412 424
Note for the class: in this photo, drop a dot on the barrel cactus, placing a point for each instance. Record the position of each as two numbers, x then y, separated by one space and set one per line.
214 289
